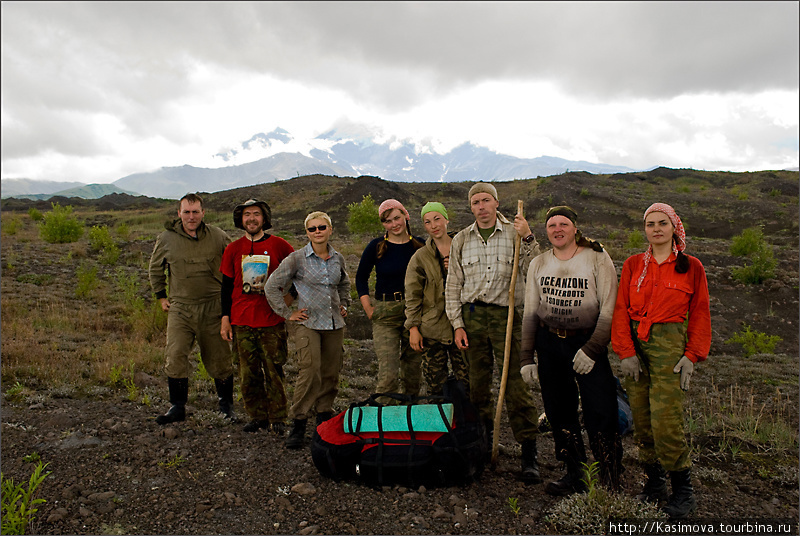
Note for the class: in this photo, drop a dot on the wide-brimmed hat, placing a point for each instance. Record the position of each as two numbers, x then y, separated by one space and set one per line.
237 213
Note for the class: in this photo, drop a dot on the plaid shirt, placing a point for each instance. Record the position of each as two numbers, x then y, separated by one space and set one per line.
481 271
322 286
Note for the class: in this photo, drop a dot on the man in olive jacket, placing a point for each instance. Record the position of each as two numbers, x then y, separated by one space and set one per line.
186 258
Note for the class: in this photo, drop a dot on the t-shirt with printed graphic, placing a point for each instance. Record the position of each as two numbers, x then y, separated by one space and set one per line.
249 306
574 294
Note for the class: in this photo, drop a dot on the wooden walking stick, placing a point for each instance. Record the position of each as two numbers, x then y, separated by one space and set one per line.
507 350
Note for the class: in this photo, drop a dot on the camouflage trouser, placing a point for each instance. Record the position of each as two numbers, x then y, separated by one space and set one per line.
486 334
398 364
201 322
657 399
262 352
435 359
319 360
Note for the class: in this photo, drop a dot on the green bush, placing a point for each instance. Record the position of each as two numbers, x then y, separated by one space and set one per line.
363 217
755 342
60 226
100 240
35 214
751 244
87 280
635 240
124 231
12 225
750 241
18 503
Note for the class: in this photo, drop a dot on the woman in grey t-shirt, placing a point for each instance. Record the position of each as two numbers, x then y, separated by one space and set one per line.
569 302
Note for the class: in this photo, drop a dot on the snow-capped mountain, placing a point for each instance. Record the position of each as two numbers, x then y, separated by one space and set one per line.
348 150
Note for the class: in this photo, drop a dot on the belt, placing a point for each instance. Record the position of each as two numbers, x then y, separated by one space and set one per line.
564 333
397 296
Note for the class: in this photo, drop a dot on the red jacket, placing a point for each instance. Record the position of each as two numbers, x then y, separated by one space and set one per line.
665 296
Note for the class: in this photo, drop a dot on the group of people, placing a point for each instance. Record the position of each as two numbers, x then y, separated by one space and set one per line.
441 308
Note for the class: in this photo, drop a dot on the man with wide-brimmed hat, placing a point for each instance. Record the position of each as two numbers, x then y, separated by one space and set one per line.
477 302
258 334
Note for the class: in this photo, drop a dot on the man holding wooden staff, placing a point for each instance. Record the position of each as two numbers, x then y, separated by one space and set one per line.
477 301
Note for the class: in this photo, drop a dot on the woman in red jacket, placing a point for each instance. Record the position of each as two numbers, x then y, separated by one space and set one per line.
658 290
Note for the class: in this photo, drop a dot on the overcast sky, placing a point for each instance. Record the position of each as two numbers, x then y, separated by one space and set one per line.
95 91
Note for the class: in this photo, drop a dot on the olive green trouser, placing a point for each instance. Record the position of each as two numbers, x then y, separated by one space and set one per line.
201 322
399 366
657 398
319 360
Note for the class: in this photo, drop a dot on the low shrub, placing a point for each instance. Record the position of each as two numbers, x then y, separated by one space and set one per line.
751 244
34 214
60 226
363 217
635 240
755 342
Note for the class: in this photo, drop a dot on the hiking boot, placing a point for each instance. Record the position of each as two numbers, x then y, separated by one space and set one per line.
297 435
570 483
277 428
255 425
225 394
323 416
178 394
681 503
530 467
655 487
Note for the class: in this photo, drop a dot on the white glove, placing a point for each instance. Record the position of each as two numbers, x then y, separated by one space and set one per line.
630 366
530 373
582 363
685 367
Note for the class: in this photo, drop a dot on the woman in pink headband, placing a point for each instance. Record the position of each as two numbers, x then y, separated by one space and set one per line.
658 290
388 255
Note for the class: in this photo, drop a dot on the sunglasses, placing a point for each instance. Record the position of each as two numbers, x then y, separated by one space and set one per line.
314 229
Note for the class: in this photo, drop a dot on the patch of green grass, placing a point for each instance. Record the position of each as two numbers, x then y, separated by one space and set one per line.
87 280
591 511
19 503
40 280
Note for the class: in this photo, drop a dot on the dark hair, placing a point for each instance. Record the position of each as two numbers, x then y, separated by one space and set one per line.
383 245
581 240
190 198
681 261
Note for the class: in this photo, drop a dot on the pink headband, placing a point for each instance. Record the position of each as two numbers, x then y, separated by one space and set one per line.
679 233
390 204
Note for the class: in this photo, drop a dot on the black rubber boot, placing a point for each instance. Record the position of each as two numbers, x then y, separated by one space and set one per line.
178 395
323 416
255 425
297 435
655 488
681 503
225 394
570 483
277 428
530 467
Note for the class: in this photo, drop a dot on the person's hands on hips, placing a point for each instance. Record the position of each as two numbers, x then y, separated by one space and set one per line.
685 367
582 363
631 367
530 373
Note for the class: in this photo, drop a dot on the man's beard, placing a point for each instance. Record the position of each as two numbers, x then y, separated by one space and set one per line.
255 233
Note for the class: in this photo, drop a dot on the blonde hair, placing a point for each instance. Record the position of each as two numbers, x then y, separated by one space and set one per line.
317 215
